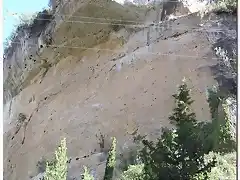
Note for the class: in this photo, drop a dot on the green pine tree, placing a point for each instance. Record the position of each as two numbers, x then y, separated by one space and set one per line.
179 153
87 175
111 161
57 170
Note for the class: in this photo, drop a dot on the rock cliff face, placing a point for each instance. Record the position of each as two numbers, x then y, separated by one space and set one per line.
99 75
28 56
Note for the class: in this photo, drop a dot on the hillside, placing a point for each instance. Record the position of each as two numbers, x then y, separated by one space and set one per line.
107 77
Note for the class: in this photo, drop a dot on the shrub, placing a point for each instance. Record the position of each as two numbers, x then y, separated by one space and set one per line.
219 6
225 166
134 172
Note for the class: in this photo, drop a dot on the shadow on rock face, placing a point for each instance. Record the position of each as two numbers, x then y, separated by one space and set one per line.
225 70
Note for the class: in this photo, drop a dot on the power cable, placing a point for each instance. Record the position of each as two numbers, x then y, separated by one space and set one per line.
117 51
86 17
124 24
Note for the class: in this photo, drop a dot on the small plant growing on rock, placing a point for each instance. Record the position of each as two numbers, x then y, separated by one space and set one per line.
101 142
21 118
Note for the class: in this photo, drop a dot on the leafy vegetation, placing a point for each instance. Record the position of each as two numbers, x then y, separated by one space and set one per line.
111 161
87 175
219 130
179 153
134 172
193 150
220 6
225 166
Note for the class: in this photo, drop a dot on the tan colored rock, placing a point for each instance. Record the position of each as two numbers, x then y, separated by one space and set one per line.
85 91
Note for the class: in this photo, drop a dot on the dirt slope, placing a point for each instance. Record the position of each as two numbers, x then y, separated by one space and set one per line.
117 88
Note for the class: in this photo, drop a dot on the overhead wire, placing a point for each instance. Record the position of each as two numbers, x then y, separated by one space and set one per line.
194 29
146 24
197 30
70 15
87 17
124 24
117 51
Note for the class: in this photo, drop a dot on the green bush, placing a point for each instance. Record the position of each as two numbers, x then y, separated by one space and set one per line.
219 6
134 172
225 166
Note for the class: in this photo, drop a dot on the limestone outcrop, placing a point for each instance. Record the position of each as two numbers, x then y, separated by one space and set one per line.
26 57
99 67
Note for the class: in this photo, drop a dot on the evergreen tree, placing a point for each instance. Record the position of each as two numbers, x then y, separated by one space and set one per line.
111 161
86 175
179 153
57 170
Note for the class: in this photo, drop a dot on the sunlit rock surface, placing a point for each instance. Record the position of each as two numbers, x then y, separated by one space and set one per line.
112 74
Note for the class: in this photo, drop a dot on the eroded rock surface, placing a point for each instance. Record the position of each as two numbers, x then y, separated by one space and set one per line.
96 81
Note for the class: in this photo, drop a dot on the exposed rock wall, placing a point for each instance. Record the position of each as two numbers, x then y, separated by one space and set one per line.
21 56
24 59
93 79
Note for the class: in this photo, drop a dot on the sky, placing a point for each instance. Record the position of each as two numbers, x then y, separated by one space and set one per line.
20 7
